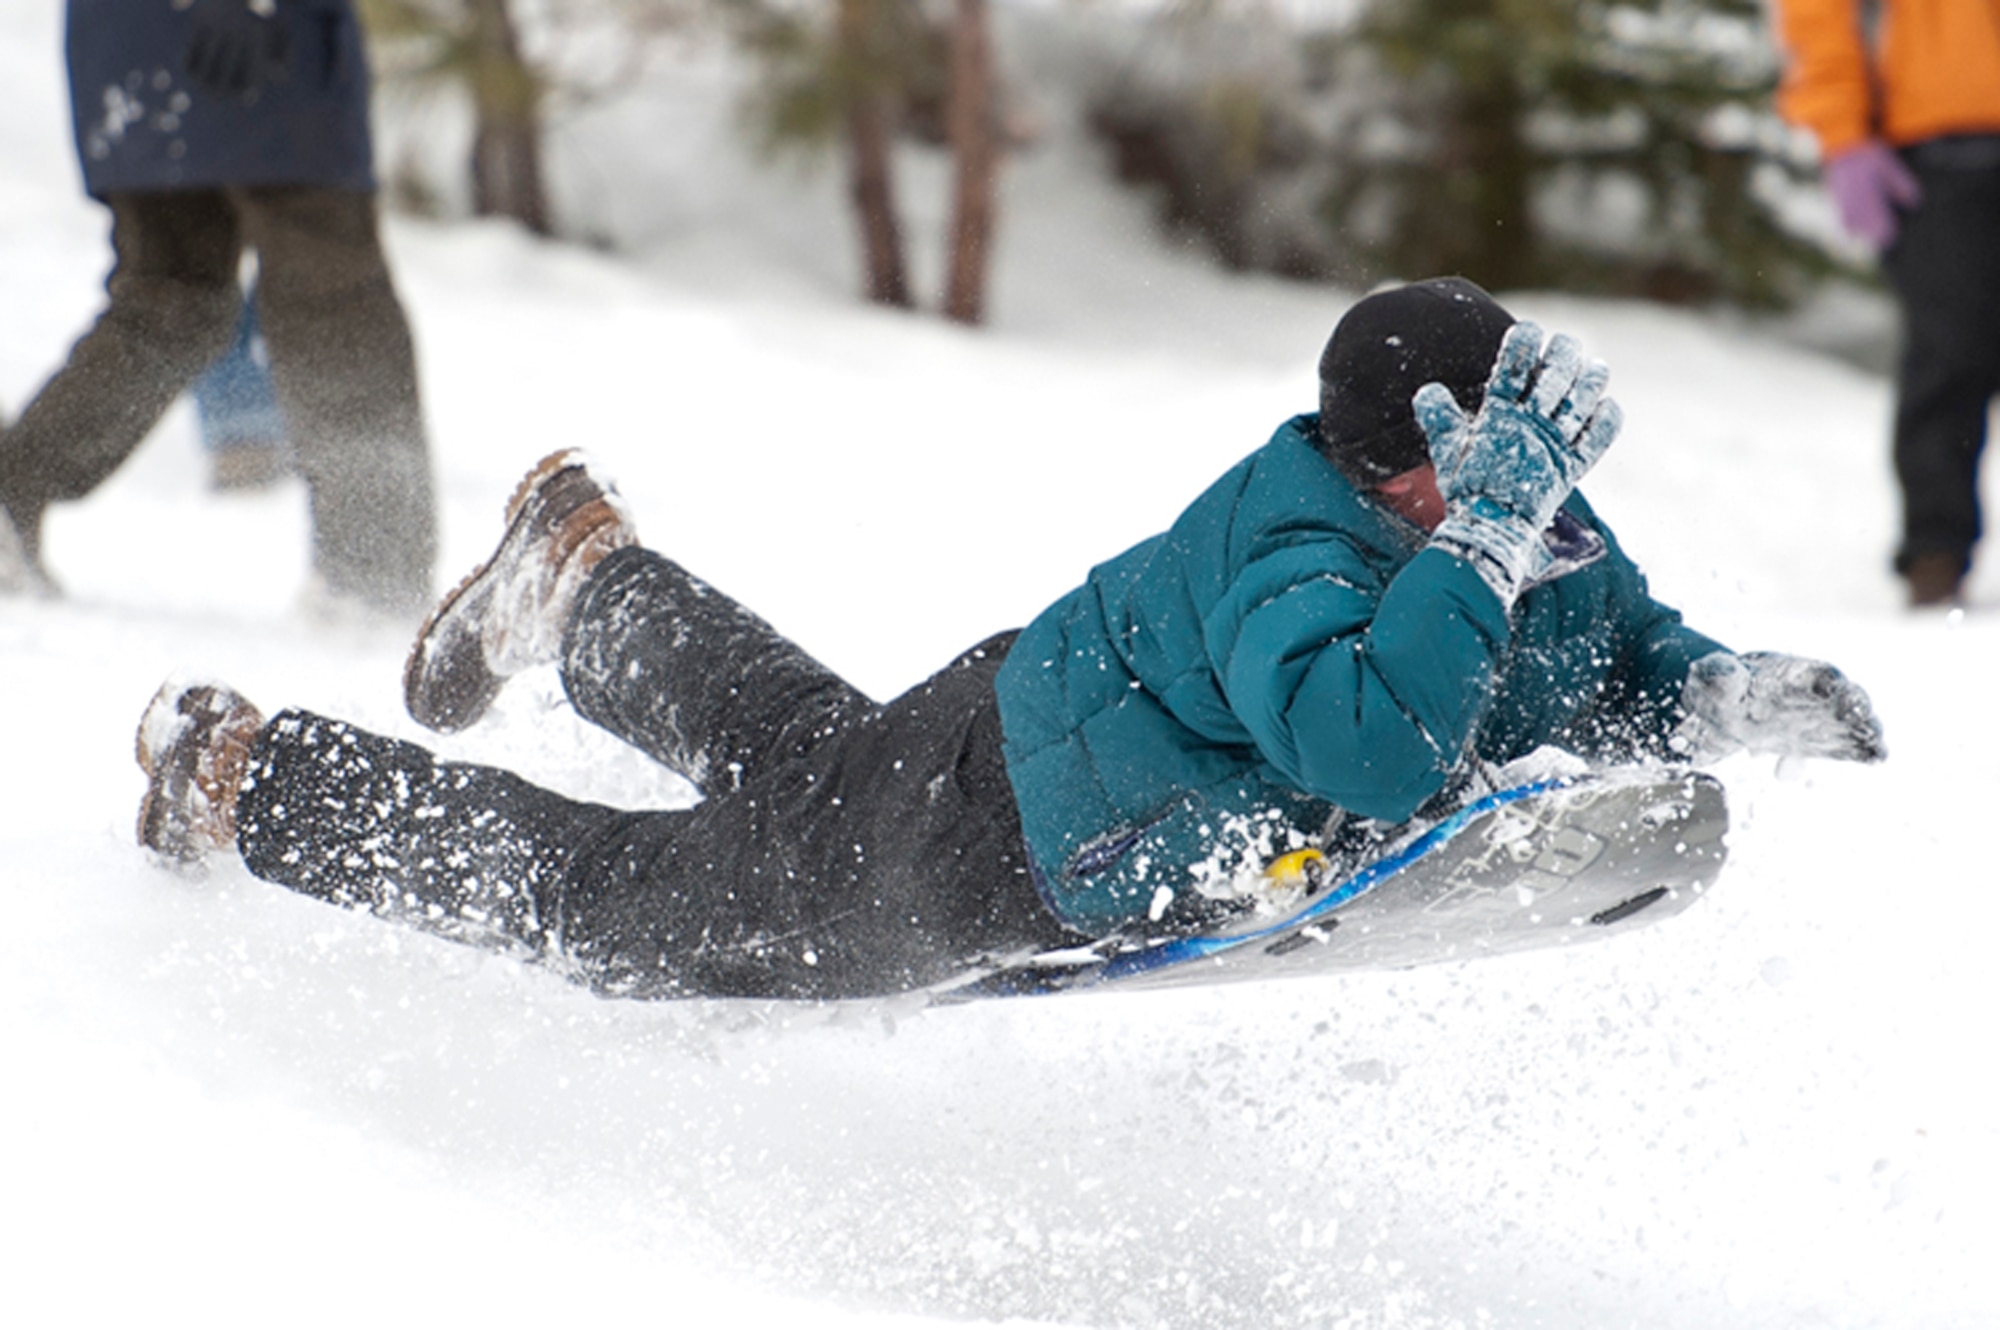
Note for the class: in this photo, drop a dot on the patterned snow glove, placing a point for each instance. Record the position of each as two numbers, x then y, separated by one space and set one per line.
1505 471
236 47
1764 702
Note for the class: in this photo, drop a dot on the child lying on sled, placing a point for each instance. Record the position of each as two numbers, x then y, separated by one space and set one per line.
1390 592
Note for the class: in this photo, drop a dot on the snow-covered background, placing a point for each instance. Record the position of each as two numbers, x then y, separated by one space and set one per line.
220 1101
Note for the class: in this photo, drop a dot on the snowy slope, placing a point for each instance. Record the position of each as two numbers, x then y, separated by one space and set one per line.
225 1101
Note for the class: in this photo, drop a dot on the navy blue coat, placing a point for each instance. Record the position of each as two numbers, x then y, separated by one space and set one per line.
142 124
1208 699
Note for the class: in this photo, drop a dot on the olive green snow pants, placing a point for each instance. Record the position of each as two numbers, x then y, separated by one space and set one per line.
341 361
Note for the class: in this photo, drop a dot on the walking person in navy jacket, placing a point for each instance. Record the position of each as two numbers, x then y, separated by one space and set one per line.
1389 593
207 127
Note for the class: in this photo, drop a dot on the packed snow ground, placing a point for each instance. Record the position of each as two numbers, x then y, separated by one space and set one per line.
225 1101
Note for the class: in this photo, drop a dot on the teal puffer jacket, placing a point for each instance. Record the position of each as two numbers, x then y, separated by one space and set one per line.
1208 699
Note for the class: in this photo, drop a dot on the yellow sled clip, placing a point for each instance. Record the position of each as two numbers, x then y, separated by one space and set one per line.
1302 870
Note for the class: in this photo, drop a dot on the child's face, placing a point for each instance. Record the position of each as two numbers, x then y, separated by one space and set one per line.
1413 496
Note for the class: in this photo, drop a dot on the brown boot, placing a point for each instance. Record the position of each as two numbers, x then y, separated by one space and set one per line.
194 745
1934 580
250 465
510 612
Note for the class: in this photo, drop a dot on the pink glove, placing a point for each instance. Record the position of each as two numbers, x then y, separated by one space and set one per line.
1869 183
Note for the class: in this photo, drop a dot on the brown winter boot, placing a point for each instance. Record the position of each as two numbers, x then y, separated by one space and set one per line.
194 745
510 612
1934 580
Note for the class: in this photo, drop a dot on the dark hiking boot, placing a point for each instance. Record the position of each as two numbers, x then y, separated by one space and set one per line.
1934 580
194 745
509 614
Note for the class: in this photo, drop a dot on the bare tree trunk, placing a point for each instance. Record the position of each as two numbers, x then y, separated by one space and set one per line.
507 134
871 179
976 159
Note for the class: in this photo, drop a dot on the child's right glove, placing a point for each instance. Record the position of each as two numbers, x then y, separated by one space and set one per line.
1505 471
1764 702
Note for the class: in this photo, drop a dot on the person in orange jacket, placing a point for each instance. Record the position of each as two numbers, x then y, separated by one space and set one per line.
1904 98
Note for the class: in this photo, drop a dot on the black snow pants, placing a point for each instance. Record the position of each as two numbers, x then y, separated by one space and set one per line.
843 848
1945 267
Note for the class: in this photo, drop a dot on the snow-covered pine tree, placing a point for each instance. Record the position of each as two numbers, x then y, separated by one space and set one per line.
1605 145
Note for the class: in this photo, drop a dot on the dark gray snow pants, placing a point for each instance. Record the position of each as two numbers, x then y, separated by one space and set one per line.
843 848
342 363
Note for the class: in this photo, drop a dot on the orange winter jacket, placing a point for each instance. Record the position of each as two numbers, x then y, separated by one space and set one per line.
1934 69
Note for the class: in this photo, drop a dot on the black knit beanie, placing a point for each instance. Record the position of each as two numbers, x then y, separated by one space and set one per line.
1445 330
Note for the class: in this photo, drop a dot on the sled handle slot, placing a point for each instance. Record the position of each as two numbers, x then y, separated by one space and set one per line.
1626 909
1305 937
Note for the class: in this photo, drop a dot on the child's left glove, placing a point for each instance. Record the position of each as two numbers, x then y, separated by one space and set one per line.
1765 702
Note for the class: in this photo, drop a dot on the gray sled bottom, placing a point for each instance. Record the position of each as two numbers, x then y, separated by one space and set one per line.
1543 865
